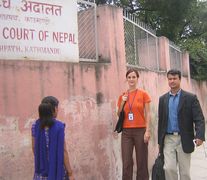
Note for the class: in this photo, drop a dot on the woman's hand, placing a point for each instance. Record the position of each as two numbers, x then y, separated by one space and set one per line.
124 97
198 142
71 177
146 136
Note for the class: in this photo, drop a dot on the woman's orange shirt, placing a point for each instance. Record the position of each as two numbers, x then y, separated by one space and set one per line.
140 99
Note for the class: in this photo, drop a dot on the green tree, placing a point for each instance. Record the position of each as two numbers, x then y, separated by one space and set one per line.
103 2
194 40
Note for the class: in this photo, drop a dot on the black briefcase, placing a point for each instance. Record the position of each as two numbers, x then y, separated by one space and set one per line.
158 172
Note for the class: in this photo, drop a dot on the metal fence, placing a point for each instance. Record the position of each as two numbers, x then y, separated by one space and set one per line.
87 30
175 56
141 46
141 43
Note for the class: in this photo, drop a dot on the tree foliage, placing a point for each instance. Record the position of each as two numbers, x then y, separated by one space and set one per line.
194 40
181 21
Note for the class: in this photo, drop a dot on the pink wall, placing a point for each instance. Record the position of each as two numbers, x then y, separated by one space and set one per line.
87 94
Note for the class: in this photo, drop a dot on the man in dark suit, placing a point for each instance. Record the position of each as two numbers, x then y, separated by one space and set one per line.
181 126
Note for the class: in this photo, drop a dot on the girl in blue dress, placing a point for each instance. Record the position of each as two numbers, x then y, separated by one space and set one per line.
48 144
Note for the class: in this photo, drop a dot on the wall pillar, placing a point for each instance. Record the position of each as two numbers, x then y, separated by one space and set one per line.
164 54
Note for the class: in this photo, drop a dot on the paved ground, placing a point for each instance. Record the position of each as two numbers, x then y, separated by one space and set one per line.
199 163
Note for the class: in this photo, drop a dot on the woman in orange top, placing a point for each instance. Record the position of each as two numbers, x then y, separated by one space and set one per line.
136 132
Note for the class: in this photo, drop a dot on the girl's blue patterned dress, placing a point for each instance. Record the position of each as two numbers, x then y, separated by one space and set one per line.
39 176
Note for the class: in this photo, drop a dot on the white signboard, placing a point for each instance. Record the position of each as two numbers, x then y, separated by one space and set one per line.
39 30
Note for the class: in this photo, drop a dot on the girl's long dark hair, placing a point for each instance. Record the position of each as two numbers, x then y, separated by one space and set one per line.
45 115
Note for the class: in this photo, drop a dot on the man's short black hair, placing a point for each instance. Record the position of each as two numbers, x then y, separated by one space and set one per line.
174 72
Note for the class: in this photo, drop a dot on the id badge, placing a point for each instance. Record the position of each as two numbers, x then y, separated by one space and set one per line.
131 116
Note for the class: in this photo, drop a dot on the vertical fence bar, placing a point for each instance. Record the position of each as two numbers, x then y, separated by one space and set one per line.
135 47
148 46
96 36
157 53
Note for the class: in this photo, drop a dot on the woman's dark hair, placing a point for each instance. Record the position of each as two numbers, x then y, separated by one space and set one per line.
45 115
47 110
132 70
51 100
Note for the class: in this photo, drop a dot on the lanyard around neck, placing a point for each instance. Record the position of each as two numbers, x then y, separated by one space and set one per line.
130 105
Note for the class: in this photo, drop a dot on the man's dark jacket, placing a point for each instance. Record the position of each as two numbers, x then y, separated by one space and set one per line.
189 115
